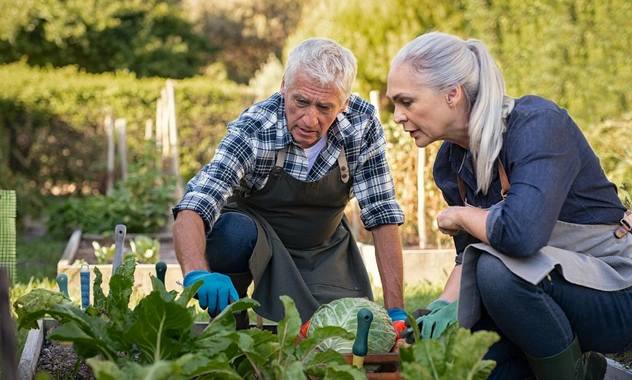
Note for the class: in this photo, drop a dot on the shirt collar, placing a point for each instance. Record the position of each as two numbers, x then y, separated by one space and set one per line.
339 130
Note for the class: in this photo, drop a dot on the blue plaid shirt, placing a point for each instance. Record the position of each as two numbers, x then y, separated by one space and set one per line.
245 156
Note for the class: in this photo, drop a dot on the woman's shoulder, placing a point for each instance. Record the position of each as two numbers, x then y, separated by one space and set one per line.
534 103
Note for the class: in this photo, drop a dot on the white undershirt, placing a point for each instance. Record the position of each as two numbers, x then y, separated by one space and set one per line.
313 151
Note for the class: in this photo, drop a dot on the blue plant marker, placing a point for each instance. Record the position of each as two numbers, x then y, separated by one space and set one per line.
62 282
85 285
161 269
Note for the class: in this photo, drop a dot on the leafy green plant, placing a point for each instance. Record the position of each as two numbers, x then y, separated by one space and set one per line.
158 336
145 249
456 354
103 253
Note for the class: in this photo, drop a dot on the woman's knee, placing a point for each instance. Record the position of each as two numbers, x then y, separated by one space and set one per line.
493 277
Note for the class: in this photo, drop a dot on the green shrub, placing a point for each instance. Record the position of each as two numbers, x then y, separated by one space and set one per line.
142 202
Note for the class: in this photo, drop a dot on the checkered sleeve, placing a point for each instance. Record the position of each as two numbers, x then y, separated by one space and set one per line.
373 186
207 192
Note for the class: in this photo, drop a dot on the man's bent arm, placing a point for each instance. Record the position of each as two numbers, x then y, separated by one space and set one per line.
388 254
189 241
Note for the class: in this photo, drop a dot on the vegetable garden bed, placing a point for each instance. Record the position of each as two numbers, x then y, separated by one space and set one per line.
31 360
79 249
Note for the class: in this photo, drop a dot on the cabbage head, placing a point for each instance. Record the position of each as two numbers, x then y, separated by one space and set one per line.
344 313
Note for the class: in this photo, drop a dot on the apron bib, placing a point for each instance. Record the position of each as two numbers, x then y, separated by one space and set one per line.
304 246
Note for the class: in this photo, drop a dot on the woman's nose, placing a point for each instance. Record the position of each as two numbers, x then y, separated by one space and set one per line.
398 116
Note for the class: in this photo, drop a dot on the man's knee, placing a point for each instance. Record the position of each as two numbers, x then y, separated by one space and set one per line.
231 243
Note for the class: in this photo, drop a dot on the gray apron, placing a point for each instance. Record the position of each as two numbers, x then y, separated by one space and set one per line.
304 246
586 255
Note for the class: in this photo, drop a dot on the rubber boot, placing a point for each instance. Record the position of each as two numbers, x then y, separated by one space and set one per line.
570 364
241 282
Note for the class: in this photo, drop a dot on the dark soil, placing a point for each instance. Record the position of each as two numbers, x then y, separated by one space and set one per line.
60 361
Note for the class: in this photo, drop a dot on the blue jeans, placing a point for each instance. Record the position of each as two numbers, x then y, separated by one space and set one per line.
543 319
230 243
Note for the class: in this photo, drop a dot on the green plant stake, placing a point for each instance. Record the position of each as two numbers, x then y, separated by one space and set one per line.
161 270
62 282
361 344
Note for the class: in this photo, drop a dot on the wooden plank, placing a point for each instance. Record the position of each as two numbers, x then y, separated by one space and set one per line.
31 352
68 257
616 371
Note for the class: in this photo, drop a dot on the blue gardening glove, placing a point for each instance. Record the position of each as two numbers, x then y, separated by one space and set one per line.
216 292
398 318
396 314
442 313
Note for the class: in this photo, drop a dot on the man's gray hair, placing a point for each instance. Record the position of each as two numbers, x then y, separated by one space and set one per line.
324 60
445 62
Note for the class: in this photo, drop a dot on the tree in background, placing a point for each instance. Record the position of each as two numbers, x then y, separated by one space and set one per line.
247 31
146 37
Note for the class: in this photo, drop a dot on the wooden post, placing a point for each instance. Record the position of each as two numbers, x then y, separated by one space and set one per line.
374 97
109 131
121 126
173 139
149 129
421 198
159 129
165 124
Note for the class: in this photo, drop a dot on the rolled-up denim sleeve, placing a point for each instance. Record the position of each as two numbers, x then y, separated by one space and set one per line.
543 162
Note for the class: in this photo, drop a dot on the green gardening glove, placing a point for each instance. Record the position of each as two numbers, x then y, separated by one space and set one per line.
442 314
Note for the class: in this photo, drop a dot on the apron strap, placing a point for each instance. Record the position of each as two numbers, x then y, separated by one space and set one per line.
504 182
342 162
344 167
281 157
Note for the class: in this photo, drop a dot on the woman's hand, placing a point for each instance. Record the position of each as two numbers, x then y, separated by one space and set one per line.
448 220
472 220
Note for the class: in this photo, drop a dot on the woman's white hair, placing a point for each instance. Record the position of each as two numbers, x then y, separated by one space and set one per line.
445 62
324 60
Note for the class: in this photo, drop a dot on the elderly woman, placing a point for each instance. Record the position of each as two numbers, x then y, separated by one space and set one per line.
543 249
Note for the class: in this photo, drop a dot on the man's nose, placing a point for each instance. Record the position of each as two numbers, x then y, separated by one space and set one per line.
311 117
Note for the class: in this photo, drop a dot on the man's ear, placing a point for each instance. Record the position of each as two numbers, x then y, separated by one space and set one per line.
282 89
344 106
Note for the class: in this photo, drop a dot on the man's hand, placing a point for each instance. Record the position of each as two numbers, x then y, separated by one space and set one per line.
216 292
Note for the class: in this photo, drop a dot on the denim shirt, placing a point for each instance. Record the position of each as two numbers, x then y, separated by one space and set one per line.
554 175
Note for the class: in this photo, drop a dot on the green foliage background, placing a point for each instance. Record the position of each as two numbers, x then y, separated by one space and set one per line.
147 37
578 53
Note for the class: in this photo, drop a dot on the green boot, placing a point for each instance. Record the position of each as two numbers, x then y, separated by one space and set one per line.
241 282
570 364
